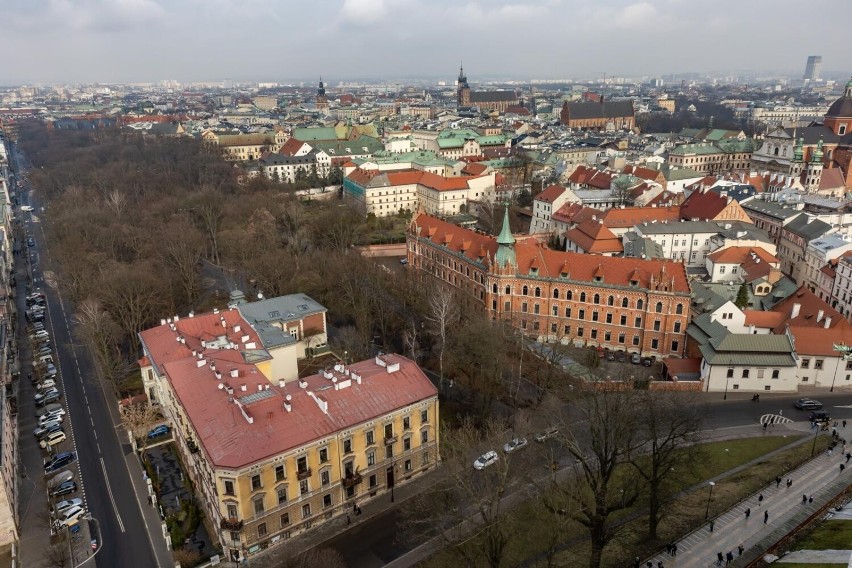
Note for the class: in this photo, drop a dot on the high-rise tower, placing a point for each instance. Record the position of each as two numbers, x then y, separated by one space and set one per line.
813 68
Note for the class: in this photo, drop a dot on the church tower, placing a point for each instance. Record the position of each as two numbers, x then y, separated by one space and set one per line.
505 257
462 89
798 164
322 101
813 173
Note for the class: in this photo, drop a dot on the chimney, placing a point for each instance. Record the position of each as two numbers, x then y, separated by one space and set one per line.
827 322
796 308
820 313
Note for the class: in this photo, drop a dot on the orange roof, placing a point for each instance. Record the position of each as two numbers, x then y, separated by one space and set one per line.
440 232
703 206
763 320
591 177
820 341
291 146
474 169
574 213
641 173
248 425
739 255
551 194
625 217
594 237
809 307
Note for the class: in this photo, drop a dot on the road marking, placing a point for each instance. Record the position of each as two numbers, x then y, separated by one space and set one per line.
111 498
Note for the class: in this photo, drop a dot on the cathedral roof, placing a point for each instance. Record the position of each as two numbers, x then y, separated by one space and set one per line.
842 107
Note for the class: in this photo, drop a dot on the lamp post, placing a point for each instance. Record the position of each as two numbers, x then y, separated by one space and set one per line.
728 377
709 497
394 480
845 353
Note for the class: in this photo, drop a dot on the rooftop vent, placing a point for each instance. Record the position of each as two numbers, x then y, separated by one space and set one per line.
243 387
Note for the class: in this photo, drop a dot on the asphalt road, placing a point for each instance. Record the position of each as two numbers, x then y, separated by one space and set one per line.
374 542
108 491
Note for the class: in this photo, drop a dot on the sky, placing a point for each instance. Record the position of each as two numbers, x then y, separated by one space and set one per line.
77 41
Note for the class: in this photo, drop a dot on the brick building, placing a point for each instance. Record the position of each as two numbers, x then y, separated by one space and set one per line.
629 304
603 115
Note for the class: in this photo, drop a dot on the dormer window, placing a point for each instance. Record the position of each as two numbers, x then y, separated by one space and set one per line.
634 283
598 278
533 271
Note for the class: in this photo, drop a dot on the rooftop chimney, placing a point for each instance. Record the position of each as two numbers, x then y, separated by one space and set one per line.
827 322
796 308
820 313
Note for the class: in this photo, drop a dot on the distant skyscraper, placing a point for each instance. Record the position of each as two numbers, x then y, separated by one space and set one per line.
813 67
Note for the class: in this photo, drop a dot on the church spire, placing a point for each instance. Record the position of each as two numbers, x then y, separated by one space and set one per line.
506 249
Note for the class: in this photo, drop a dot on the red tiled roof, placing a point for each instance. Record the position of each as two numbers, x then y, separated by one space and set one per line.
820 341
764 320
290 147
471 244
739 255
550 194
362 177
231 441
593 237
574 213
703 206
810 306
591 177
641 173
474 169
624 217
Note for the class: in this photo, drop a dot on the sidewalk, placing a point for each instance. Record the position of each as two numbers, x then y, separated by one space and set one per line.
819 477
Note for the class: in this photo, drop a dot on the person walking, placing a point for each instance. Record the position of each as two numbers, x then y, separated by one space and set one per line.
712 524
649 564
842 467
740 550
669 549
719 558
674 549
760 500
777 482
748 513
844 424
804 499
789 483
659 564
829 452
765 517
811 499
637 563
848 457
729 557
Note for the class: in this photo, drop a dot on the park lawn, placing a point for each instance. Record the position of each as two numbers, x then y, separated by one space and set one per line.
829 535
535 530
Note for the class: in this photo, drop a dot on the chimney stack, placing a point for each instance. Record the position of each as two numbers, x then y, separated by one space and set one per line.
796 308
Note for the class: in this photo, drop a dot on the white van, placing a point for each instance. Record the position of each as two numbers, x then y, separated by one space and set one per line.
70 516
52 439
40 334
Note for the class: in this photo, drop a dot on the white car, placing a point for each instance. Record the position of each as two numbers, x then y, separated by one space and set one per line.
545 434
70 516
26 208
485 460
52 417
63 506
514 444
52 439
46 384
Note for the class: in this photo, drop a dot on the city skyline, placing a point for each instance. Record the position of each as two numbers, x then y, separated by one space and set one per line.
189 40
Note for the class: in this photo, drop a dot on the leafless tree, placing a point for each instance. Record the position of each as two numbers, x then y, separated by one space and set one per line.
209 207
100 332
443 311
138 419
316 558
56 555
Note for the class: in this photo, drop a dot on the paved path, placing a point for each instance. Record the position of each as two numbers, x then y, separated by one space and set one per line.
820 478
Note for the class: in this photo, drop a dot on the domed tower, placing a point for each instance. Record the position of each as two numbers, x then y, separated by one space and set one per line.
839 115
798 164
322 101
462 88
814 170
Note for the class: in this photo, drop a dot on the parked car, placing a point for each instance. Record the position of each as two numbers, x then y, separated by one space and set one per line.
158 431
53 439
48 418
64 489
50 408
545 434
46 384
58 461
621 357
514 444
30 242
48 396
47 429
808 404
485 460
610 356
60 478
635 358
70 516
647 361
63 506
39 334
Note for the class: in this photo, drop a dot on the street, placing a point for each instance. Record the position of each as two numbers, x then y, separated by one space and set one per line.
104 478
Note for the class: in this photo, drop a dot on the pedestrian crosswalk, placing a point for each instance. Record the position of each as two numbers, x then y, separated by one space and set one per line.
774 419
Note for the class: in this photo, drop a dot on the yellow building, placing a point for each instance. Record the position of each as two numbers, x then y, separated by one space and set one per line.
245 147
273 456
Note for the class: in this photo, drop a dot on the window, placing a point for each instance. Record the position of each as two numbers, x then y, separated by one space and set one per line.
760 373
623 320
806 363
407 465
281 493
371 458
569 295
373 480
525 291
424 436
818 364
621 338
659 308
285 519
655 343
229 486
280 472
524 307
675 346
775 373
232 511
425 458
261 530
721 270
849 365
389 451
677 327
567 312
639 304
625 302
406 443
258 505
610 301
556 293
745 373
607 336
679 309
326 501
594 334
388 431
256 483
597 299
582 314
370 438
595 315
656 325
306 511
538 292
535 308
582 296
554 311
424 416
567 330
325 477
609 318
304 487
579 332
635 340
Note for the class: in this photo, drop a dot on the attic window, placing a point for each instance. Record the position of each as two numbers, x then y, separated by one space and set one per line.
303 307
274 314
533 271
563 275
634 283
598 278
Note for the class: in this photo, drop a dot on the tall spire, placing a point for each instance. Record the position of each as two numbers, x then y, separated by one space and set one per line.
506 249
817 154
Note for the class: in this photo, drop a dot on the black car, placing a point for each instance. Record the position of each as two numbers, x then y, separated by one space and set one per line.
646 361
30 241
58 461
808 404
820 416
48 397
64 489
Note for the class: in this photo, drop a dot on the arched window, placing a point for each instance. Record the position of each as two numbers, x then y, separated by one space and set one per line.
679 309
525 291
569 295
494 288
537 292
582 296
610 301
597 298
556 293
659 307
625 302
639 304
776 150
508 289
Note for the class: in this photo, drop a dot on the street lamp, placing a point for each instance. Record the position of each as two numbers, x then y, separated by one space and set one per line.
728 377
845 353
393 479
709 497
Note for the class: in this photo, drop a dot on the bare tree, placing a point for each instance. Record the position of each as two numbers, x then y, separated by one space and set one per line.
443 311
210 209
97 328
316 558
56 555
670 423
138 419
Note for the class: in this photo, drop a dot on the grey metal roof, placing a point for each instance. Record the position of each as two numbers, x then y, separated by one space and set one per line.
605 109
770 209
747 359
752 343
281 309
679 227
639 247
807 227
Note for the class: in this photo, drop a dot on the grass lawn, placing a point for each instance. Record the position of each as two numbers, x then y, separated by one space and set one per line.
829 535
539 531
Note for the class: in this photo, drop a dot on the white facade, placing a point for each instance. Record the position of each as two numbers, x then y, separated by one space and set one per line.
690 245
733 378
818 254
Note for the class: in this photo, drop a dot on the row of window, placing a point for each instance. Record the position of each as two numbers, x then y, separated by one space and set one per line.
595 335
595 299
746 373
581 315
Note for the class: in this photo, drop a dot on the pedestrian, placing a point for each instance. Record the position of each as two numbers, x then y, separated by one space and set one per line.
813 424
659 564
669 549
781 412
764 426
740 549
359 511
348 520
649 564
834 431
848 457
712 524
842 467
760 500
637 563
748 513
777 482
758 398
829 452
789 483
844 424
729 557
804 499
719 558
811 499
765 517
354 507
674 549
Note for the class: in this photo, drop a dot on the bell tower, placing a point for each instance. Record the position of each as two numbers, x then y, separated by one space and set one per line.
322 101
813 173
462 88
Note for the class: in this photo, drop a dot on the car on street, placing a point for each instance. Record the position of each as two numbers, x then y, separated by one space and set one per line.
51 417
485 460
808 404
545 434
64 488
50 409
514 444
647 361
403 261
63 506
30 242
820 416
47 429
58 461
26 208
158 431
635 358
52 439
48 396
60 478
70 516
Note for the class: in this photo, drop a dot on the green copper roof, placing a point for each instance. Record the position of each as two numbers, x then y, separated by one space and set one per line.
506 250
798 151
817 155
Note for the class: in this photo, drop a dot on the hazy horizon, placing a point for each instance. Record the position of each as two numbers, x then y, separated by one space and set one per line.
124 41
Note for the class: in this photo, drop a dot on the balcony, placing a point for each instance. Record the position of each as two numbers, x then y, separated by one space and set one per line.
193 447
304 474
231 524
352 479
391 440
